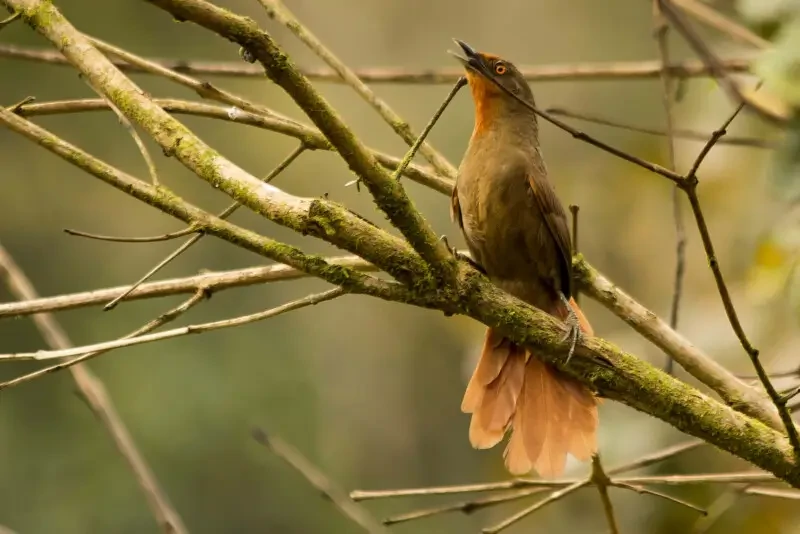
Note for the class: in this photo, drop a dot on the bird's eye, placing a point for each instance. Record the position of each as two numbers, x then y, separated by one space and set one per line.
500 69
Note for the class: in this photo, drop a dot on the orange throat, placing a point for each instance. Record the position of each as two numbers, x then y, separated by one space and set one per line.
481 96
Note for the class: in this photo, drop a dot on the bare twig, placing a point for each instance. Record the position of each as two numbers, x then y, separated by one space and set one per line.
388 194
94 393
319 481
9 19
645 491
204 89
145 239
661 32
211 281
466 507
690 187
473 505
398 172
106 346
677 133
773 492
601 481
224 214
626 70
713 18
714 65
312 137
553 497
159 321
724 502
338 226
277 10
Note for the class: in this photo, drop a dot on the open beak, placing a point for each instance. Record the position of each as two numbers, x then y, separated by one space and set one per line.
471 59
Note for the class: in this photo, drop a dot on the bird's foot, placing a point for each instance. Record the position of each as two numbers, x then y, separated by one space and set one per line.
460 255
574 331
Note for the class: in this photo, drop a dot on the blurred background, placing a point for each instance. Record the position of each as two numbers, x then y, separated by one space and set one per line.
369 391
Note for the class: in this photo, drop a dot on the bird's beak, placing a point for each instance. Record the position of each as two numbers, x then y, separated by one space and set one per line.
471 59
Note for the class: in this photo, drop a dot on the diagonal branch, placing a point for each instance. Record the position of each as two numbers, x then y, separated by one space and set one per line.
130 341
713 62
94 393
319 218
388 194
277 10
224 214
319 481
164 318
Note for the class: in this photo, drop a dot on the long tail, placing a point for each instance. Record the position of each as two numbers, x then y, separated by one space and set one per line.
548 413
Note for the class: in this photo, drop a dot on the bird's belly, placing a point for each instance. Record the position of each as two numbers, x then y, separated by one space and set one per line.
515 249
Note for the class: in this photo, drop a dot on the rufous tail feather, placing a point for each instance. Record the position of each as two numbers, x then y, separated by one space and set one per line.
549 413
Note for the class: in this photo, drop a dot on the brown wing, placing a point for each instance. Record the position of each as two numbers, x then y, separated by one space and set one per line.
556 221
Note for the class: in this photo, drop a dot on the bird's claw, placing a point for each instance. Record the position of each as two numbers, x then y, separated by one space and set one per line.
574 331
461 256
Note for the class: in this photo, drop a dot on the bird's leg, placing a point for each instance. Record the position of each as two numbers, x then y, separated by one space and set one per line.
573 327
459 256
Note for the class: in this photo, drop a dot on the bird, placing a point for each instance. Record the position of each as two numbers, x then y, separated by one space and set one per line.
517 233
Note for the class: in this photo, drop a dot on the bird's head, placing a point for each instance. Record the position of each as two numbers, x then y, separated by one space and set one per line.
484 72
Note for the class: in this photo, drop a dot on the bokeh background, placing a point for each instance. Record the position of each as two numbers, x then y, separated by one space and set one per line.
369 391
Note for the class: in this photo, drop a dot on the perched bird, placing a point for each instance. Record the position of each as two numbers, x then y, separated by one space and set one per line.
516 230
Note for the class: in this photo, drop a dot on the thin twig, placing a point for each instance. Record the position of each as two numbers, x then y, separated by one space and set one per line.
479 503
690 188
148 159
556 495
312 137
773 492
718 507
94 393
713 62
145 239
677 133
661 33
210 281
9 19
227 212
159 321
601 481
713 18
646 491
665 480
586 138
319 481
466 507
203 89
398 172
277 10
105 346
625 70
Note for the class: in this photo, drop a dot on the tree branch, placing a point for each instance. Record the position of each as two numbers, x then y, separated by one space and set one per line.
94 393
310 137
277 10
319 481
388 194
625 70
